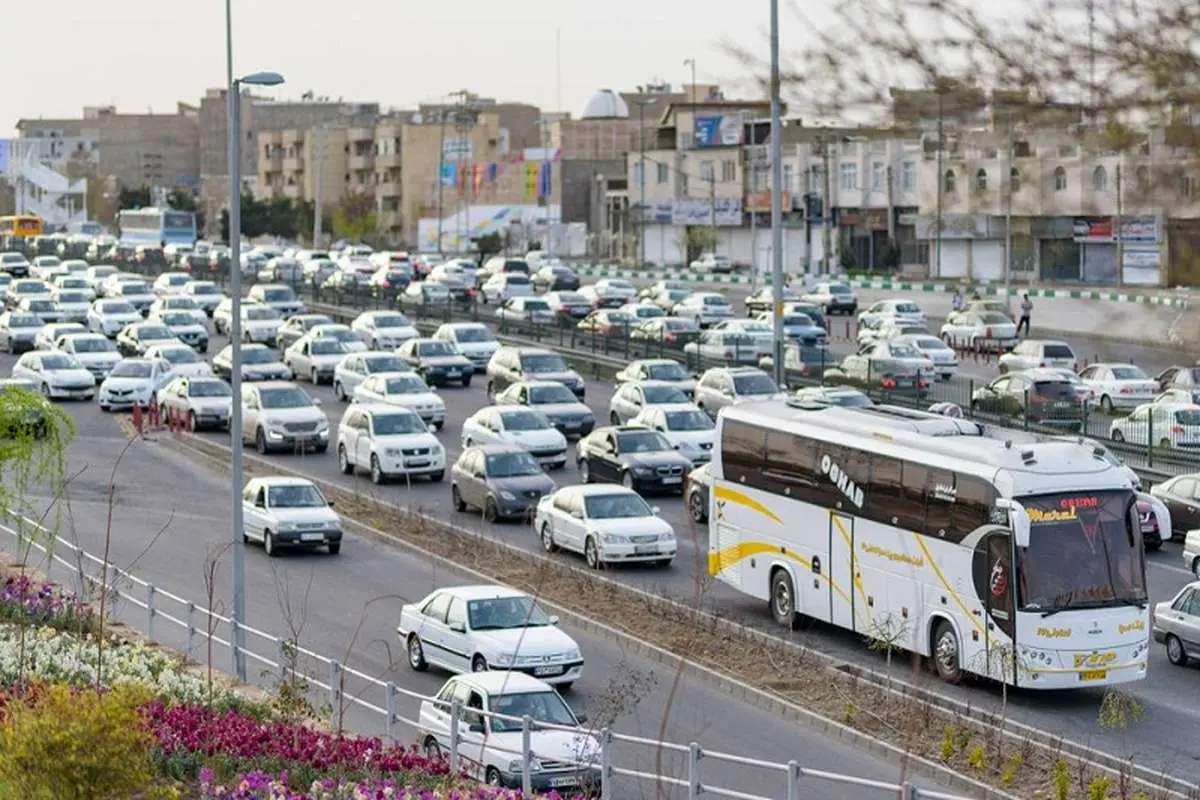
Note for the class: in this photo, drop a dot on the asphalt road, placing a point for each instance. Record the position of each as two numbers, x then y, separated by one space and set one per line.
170 521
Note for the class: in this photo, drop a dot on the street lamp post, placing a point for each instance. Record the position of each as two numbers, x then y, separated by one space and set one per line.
236 479
776 199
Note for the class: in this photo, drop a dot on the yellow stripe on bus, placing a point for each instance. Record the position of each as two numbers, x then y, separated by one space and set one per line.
946 584
727 557
734 496
862 592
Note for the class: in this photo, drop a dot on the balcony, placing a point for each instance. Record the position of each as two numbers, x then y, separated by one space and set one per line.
271 163
292 138
360 162
293 164
361 135
387 189
390 220
387 160
293 192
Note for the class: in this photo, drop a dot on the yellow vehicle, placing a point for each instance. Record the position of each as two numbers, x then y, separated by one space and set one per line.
22 227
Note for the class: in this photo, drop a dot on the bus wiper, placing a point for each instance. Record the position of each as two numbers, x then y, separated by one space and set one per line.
1051 612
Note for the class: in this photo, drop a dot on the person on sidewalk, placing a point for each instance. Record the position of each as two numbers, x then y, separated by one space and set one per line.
956 302
1026 310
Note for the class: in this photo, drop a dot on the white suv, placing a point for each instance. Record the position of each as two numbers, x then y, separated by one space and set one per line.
390 441
278 415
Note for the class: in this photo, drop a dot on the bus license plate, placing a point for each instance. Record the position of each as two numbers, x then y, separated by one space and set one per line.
1093 675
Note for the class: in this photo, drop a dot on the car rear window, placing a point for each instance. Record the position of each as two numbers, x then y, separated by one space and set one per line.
993 318
1057 351
1187 417
1053 389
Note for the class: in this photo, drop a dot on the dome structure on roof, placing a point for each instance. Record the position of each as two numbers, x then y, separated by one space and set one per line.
606 104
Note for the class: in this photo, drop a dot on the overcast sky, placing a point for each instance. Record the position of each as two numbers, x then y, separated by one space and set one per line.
139 54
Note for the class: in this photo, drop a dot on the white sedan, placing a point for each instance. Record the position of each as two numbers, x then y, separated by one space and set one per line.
314 357
110 317
178 304
383 330
527 428
133 381
478 628
906 310
689 429
607 524
203 402
184 327
57 375
1164 424
48 335
183 360
406 389
95 352
354 368
945 360
979 330
1119 385
636 396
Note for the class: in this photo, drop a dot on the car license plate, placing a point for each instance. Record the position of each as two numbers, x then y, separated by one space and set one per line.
645 549
557 783
675 479
312 537
452 373
556 669
409 462
1093 675
571 426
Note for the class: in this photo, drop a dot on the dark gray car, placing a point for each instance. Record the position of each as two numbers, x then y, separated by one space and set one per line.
502 480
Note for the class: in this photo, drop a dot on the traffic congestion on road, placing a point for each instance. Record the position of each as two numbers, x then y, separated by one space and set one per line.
493 415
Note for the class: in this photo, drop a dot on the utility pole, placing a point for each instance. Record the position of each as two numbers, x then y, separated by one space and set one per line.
1008 203
712 206
441 176
776 199
752 161
319 155
1120 231
941 180
826 211
463 123
691 62
642 180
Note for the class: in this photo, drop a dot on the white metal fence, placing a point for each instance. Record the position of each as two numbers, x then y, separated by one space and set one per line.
593 764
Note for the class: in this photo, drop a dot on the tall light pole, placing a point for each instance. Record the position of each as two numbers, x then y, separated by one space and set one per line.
236 470
441 179
642 179
776 198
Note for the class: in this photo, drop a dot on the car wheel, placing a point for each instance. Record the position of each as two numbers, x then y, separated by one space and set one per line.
377 476
1106 405
696 509
344 461
436 477
491 392
433 751
946 653
1175 652
192 424
627 479
490 512
439 424
46 390
1154 545
456 499
1196 567
260 442
1165 444
416 654
591 553
479 664
334 548
269 543
1117 436
585 472
339 392
613 418
548 538
493 777
315 377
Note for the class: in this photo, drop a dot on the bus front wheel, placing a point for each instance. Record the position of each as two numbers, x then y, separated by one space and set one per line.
946 653
783 600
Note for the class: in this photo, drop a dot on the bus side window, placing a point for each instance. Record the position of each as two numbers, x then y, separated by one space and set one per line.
742 450
939 503
974 499
792 467
895 501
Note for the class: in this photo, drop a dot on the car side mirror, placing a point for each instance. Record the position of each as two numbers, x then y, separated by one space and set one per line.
458 627
581 718
674 446
553 619
577 514
317 401
476 727
655 510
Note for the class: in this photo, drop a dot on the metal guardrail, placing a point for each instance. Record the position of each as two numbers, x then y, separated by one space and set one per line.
162 606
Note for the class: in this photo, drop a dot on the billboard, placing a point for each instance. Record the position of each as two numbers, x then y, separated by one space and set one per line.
1143 230
456 148
720 131
725 211
761 201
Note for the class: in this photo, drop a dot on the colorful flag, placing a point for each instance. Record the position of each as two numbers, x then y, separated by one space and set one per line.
476 178
531 179
449 174
493 171
544 184
463 178
557 154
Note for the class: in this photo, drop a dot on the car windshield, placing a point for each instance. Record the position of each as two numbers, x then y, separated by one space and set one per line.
435 348
179 320
715 300
284 397
152 332
310 322
30 287
556 393
930 343
132 369
204 289
279 295
384 364
131 288
903 350
87 344
39 305
297 496
837 288
536 363
1129 374
691 420
392 321
754 385
642 442
1057 351
658 395
502 613
798 321
512 465
258 355
405 384
668 372
209 389
179 355
1084 552
849 399
615 506
648 311
546 707
1053 389
537 305
524 421
260 313
397 424
25 321
474 334
72 297
326 347
908 308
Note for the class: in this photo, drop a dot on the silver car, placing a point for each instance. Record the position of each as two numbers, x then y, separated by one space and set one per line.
1176 623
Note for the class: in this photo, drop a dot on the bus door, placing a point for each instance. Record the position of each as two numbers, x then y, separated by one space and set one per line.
994 580
841 570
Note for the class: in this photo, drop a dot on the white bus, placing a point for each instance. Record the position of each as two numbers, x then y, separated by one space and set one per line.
1021 562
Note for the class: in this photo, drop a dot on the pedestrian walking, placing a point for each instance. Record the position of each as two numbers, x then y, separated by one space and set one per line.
956 302
1026 311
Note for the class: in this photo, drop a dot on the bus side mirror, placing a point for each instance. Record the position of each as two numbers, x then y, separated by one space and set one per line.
1018 520
1162 514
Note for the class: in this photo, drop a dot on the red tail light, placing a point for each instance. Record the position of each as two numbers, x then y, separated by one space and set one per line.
728 356
888 383
670 337
1042 364
988 333
922 383
1127 390
1176 429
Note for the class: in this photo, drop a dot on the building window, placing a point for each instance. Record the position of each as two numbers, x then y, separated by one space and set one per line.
787 179
1060 179
706 171
877 176
683 184
1014 180
663 173
849 173
728 171
948 182
1099 180
1187 186
1141 177
908 177
981 180
637 174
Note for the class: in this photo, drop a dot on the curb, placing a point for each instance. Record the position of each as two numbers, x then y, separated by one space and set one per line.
734 688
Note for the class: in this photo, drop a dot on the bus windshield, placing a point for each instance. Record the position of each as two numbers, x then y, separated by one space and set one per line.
1084 552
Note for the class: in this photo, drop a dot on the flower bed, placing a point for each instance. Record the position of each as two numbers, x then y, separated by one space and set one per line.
265 786
27 601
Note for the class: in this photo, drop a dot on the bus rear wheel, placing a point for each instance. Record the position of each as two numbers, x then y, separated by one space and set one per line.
946 653
783 600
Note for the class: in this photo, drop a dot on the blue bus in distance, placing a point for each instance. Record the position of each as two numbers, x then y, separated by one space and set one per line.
157 227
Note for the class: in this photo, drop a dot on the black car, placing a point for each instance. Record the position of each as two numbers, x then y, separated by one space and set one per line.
636 457
555 278
437 362
1181 496
695 493
296 326
1041 397
501 480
